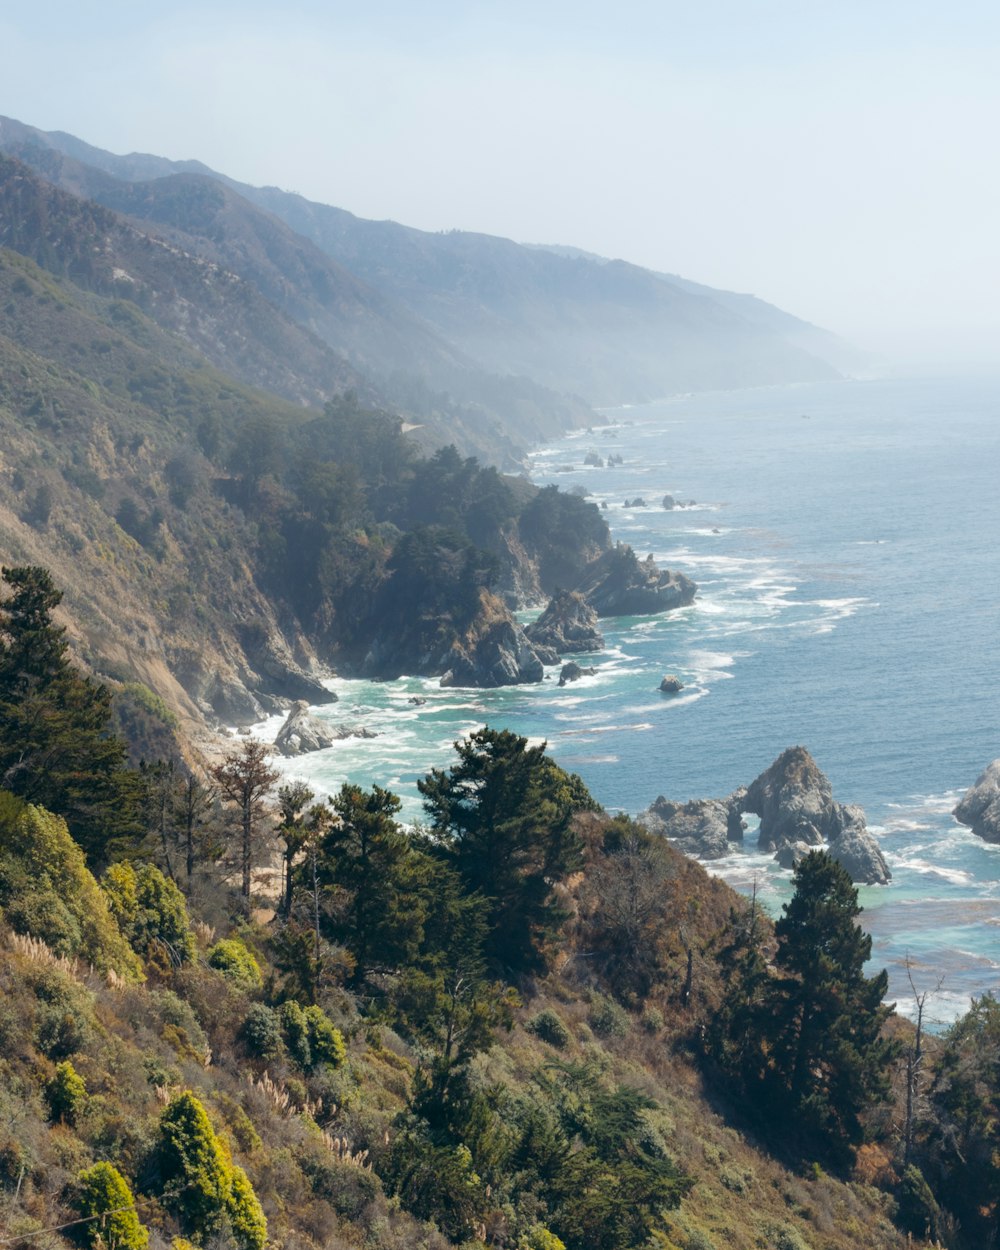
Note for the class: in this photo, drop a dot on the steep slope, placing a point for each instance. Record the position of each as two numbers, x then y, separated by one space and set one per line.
222 317
449 396
607 330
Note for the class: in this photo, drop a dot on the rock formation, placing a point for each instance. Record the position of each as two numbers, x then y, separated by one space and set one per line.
797 811
568 625
703 827
980 805
573 672
619 584
302 732
500 656
671 684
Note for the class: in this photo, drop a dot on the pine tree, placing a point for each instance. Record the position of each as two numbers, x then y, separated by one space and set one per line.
55 746
367 868
502 815
828 1057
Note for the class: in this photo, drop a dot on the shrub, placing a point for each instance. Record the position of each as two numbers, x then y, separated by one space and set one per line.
180 1027
918 1212
609 1019
193 1169
65 1013
261 1032
326 1042
246 1216
550 1028
236 963
66 1093
46 890
151 913
541 1239
296 1029
200 1183
105 1192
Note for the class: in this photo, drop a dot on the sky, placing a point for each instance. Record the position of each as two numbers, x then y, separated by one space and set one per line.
837 159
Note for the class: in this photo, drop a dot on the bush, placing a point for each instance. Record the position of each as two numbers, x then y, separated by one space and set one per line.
609 1019
236 963
47 890
66 1093
550 1028
296 1029
540 1239
246 1216
326 1042
151 913
105 1192
261 1032
64 1018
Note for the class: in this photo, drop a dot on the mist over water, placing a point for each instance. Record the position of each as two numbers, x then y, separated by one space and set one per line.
843 538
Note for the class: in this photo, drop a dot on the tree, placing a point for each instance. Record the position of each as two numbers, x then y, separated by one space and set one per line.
193 802
502 817
151 913
107 1205
55 746
293 800
828 1058
963 1147
367 867
246 779
735 1033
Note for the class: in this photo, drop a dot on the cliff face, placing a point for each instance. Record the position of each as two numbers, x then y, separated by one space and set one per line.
620 584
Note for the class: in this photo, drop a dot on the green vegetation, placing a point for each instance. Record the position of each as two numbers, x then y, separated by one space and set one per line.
483 1031
106 1204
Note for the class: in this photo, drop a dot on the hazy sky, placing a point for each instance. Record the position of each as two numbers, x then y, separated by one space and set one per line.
838 159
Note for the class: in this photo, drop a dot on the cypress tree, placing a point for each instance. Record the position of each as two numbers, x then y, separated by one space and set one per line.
55 746
828 1057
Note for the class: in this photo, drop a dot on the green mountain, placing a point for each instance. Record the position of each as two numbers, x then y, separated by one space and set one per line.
609 331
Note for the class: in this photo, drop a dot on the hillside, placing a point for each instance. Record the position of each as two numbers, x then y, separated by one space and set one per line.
609 331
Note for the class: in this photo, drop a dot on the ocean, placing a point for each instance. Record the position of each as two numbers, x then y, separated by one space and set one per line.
844 538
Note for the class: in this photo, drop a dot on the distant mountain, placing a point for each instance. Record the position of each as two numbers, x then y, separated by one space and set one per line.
577 324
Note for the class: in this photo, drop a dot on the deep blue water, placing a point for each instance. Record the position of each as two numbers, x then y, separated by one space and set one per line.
845 544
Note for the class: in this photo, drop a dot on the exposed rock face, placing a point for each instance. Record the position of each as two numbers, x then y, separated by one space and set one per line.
501 656
703 827
619 584
671 684
568 625
302 732
669 502
980 805
794 801
797 813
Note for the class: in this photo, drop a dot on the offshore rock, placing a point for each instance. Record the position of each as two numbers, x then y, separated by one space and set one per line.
671 684
568 625
797 812
619 584
703 827
795 803
979 807
573 672
302 732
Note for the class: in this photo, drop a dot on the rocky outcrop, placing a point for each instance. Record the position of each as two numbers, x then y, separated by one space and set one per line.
573 672
567 626
795 803
302 732
980 805
500 656
797 811
704 827
671 684
619 584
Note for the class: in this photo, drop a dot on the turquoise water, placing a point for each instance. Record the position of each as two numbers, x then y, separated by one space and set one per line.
844 541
